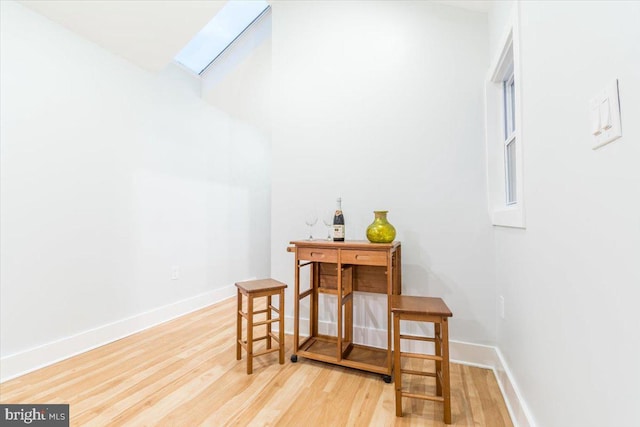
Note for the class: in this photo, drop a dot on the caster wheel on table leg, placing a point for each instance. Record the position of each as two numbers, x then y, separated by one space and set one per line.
294 358
386 378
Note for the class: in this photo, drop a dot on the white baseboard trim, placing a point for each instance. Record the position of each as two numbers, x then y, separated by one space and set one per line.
15 365
518 408
465 353
490 357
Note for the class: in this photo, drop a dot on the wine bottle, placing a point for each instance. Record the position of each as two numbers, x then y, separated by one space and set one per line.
338 222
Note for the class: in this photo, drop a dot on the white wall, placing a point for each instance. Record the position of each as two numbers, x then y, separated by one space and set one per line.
571 280
110 176
382 103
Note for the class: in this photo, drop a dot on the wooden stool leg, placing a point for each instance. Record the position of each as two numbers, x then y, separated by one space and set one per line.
397 371
239 327
249 334
438 341
446 386
281 326
269 323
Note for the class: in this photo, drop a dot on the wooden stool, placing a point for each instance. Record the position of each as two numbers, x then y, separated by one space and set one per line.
256 289
423 309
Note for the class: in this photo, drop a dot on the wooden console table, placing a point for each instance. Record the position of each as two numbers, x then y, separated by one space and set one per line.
340 269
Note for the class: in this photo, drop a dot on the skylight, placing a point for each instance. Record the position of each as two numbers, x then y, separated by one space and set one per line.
228 24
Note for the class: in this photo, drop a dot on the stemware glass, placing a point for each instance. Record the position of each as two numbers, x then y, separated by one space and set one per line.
310 219
328 222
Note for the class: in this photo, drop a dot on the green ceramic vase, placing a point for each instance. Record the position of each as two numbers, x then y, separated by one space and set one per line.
380 230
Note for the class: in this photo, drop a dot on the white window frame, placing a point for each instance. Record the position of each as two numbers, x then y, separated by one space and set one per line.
504 69
222 32
509 138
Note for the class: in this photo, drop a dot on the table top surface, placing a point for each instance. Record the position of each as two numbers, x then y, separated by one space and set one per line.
347 244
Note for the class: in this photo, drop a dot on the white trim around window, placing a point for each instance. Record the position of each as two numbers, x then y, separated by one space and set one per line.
504 144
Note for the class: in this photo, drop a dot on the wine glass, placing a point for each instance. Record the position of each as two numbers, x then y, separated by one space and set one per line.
328 222
310 219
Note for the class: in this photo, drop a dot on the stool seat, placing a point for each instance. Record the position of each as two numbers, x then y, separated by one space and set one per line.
419 305
260 285
431 310
255 289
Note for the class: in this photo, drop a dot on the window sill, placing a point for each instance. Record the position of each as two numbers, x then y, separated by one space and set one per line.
509 217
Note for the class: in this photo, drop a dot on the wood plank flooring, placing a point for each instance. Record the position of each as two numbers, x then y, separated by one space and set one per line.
185 373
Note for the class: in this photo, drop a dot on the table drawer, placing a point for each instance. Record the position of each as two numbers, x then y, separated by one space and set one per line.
317 254
363 257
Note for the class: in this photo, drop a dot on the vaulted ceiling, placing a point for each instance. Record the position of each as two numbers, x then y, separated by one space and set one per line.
148 33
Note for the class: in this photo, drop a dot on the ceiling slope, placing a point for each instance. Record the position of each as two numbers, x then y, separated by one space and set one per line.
148 33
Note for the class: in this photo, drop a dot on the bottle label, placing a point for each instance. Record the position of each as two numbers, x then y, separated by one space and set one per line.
338 231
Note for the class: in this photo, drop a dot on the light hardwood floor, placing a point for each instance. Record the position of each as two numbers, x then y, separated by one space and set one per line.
185 373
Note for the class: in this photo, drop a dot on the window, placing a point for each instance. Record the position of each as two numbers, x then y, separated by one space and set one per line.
225 28
509 96
504 135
